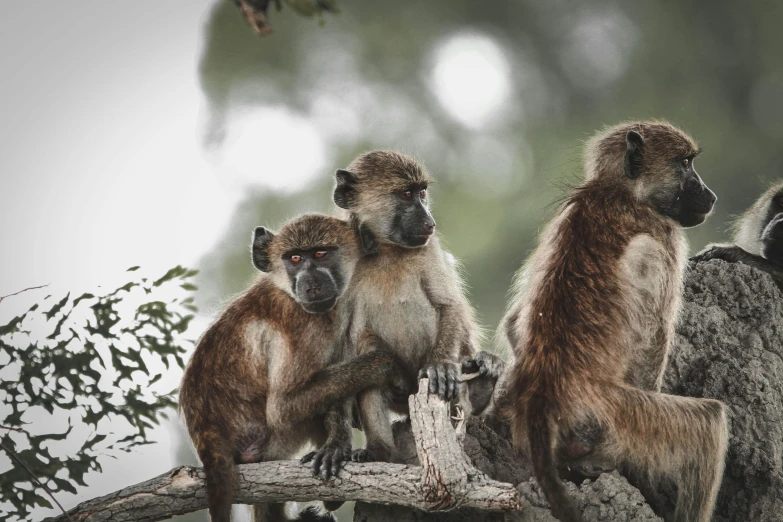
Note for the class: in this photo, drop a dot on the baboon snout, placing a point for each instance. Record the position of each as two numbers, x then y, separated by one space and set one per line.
428 227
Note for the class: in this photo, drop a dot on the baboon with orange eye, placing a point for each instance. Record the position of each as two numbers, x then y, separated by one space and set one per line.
591 325
758 237
271 374
407 291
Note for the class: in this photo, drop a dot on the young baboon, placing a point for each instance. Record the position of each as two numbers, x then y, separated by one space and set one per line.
758 237
267 377
408 291
592 320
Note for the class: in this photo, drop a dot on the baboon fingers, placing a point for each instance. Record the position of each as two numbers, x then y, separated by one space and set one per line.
470 365
307 458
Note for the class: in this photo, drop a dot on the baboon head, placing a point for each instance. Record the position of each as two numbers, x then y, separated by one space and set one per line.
772 231
312 258
655 159
386 194
760 229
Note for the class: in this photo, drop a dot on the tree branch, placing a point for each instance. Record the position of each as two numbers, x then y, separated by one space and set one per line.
446 480
23 290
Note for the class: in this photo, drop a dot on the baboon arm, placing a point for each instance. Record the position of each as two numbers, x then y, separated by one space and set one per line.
736 254
453 339
332 385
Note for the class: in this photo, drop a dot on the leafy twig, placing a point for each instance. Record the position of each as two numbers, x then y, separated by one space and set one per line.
19 461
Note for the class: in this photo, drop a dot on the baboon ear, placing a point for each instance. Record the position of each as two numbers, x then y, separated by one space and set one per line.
262 238
345 192
633 154
369 243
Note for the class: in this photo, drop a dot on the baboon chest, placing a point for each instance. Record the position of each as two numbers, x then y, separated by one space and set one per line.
396 307
653 282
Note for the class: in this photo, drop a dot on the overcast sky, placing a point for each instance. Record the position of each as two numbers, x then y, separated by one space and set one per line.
100 161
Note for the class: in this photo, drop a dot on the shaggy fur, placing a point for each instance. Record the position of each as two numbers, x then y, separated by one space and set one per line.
590 325
267 377
413 299
758 237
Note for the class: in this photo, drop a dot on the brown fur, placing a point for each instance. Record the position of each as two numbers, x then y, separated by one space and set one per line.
267 377
591 325
412 298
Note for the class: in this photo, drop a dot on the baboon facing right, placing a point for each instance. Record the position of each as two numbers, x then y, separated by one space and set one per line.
406 290
592 320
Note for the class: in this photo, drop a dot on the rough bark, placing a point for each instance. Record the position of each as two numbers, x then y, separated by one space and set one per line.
446 481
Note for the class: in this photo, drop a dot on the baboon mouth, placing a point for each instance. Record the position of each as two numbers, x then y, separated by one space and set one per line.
320 306
421 240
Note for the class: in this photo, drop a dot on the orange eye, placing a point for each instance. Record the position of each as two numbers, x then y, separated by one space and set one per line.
320 254
296 258
423 193
408 194
686 162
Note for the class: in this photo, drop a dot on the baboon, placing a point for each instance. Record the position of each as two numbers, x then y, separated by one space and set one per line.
758 237
592 320
269 375
407 290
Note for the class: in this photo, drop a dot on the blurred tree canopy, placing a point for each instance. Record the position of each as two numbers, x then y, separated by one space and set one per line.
365 79
96 363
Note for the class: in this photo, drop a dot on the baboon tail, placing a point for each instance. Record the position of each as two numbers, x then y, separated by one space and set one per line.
220 472
542 452
683 439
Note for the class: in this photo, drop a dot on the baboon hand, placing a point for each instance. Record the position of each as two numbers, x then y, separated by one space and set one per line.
487 365
730 253
444 379
327 461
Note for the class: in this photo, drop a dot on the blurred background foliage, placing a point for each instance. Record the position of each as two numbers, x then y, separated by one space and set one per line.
496 97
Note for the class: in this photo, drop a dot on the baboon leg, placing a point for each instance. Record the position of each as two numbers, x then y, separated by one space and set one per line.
376 424
666 437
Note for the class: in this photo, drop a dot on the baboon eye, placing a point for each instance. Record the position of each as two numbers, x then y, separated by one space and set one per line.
407 194
296 258
320 254
686 162
423 193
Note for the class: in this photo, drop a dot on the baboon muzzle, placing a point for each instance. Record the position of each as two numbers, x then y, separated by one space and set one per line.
772 240
315 290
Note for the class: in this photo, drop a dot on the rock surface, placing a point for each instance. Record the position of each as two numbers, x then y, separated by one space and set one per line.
730 347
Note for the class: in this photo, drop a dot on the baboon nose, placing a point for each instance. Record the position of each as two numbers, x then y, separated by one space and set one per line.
313 291
429 227
713 197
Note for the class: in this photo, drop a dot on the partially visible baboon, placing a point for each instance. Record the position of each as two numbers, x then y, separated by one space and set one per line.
407 291
267 377
758 237
592 321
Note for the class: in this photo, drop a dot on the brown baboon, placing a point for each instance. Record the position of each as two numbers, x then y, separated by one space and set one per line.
592 320
268 376
758 237
407 290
